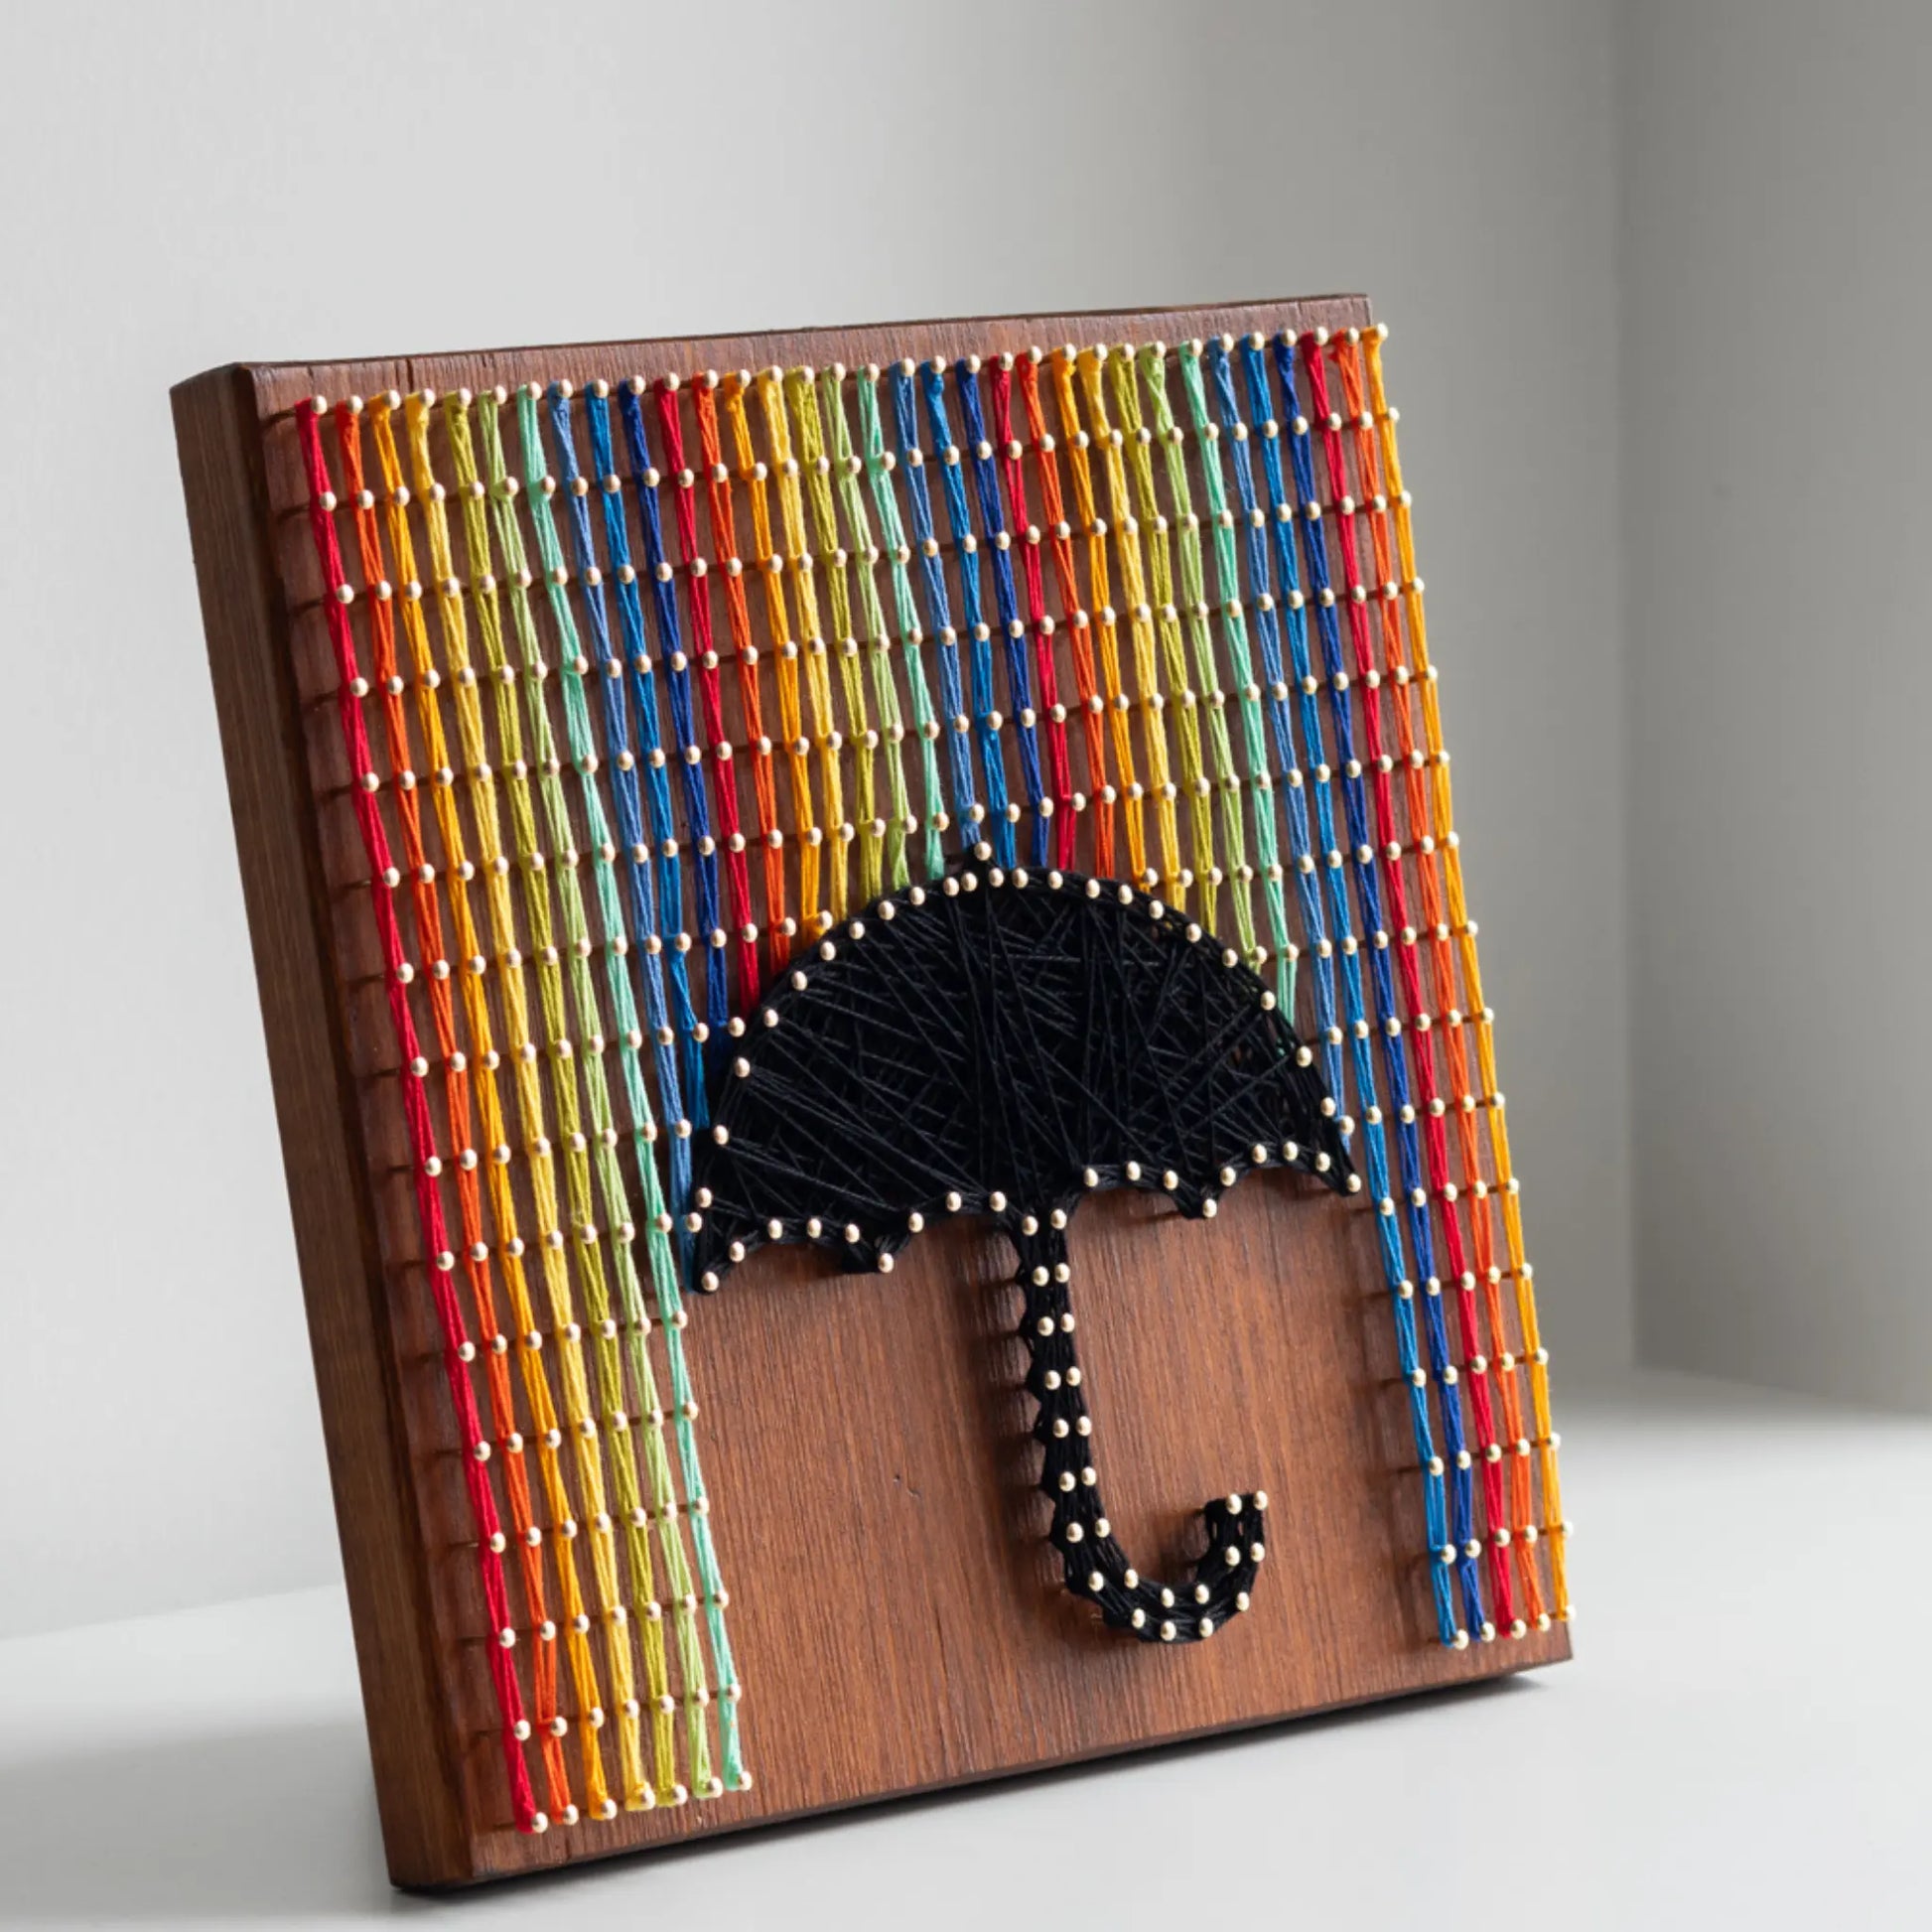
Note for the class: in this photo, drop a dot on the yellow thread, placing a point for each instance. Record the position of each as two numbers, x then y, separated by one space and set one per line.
799 567
477 1018
1133 585
535 869
1506 1184
817 467
1107 636
1132 438
659 1225
771 570
527 1057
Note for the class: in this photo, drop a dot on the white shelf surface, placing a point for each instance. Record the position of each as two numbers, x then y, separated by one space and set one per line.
1741 1742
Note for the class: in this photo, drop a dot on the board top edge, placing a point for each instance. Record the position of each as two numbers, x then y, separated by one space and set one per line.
271 375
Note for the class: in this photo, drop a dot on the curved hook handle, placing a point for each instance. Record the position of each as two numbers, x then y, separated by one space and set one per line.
1096 1566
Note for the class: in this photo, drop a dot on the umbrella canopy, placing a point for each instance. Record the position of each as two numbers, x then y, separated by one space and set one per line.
1005 1044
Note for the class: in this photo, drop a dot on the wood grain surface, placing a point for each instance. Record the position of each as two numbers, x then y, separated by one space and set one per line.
895 1612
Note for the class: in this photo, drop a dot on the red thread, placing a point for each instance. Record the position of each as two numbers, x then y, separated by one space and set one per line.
1100 803
1421 1048
723 775
1441 977
1037 622
416 1112
738 617
455 1082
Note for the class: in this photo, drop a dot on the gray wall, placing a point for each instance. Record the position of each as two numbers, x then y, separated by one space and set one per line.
1777 289
197 183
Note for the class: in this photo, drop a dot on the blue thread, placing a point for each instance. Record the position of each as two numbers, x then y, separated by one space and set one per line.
1362 863
670 646
663 1265
1315 918
932 577
959 521
1012 633
893 541
647 894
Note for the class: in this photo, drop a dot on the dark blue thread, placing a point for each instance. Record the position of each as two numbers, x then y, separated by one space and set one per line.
1013 632
665 891
979 635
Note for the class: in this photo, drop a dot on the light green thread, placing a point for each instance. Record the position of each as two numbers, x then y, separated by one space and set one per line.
663 1264
579 1149
815 466
1183 698
1234 629
878 641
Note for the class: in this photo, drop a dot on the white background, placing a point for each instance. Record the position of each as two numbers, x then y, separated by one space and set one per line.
1656 283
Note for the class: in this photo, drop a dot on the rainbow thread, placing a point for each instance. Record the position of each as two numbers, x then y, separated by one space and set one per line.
568 1030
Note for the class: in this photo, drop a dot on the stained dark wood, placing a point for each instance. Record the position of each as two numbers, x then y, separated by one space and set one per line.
895 1612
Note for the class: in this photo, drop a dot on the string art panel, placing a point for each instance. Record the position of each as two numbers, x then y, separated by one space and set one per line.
750 841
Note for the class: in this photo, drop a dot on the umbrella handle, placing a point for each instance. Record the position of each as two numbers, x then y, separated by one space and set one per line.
1096 1566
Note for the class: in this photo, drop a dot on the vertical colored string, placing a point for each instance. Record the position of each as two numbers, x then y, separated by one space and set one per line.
1063 802
1364 854
1420 1023
1002 813
532 868
1140 627
848 466
717 741
583 1429
686 1094
770 567
824 553
972 732
798 566
676 672
529 1058
778 926
1311 827
1144 529
596 410
1234 633
412 1072
1012 633
1269 697
1358 865
1119 706
1486 1094
428 921
639 671
1190 593
1379 787
580 741
459 871
491 483
1074 615
584 1154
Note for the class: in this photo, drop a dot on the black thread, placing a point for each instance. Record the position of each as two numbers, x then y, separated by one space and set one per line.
1004 1045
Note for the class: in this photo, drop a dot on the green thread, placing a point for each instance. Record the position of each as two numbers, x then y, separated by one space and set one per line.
1234 631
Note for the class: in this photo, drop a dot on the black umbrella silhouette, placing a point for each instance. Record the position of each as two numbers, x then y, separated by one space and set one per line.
1004 1045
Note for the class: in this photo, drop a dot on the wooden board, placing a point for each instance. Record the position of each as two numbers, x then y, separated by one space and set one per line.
896 1613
